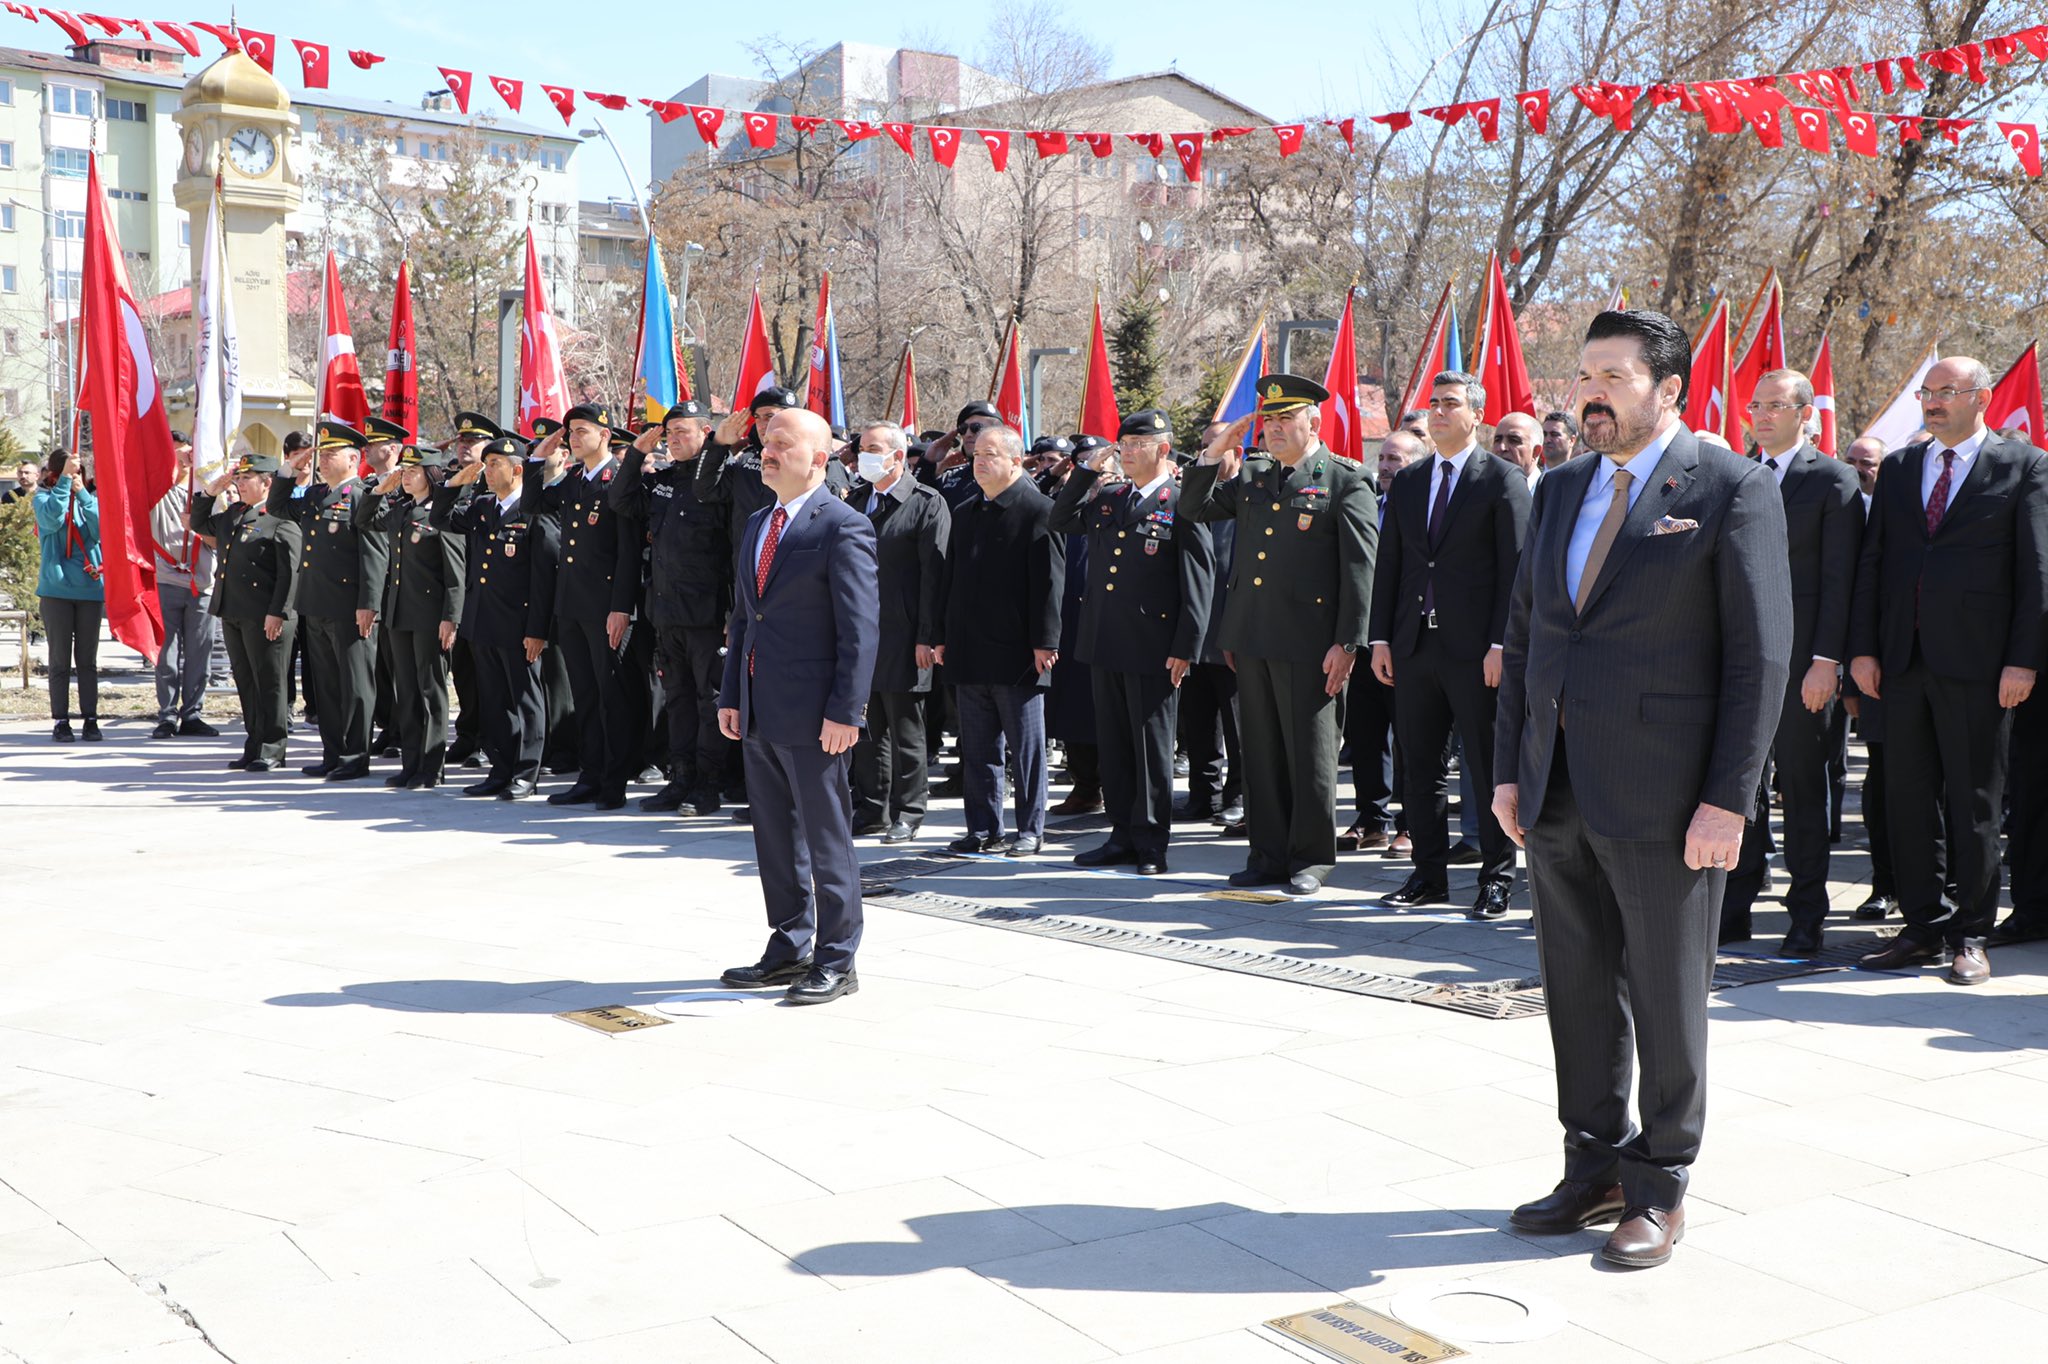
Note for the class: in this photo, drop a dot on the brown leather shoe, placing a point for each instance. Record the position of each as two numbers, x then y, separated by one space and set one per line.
1969 966
1572 1206
1900 953
1399 846
1356 839
1082 800
1645 1237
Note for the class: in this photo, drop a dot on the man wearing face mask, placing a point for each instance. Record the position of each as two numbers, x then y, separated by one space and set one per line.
912 524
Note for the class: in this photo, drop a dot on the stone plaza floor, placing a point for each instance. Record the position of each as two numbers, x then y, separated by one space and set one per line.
281 1083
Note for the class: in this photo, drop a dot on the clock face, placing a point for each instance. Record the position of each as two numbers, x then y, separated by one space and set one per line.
194 154
252 151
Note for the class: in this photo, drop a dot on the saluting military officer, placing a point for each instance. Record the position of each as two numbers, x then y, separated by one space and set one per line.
256 601
341 589
1143 618
514 553
472 430
387 440
423 608
1300 592
596 594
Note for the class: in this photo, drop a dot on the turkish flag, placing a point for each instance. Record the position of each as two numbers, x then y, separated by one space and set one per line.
1348 127
612 102
760 129
1536 108
1486 113
1497 351
564 100
909 421
1621 104
1594 98
1340 429
131 437
312 63
998 144
1909 72
28 12
181 34
1770 132
1049 144
945 144
458 86
2016 399
1812 127
1823 379
2025 141
1859 132
230 41
1393 123
543 391
1188 146
900 134
1098 391
1908 126
665 111
1882 69
1766 352
114 27
805 125
708 121
261 47
1290 135
1706 399
363 58
1448 114
1006 390
2036 40
1102 144
757 365
509 90
341 379
1954 128
857 130
1154 143
401 375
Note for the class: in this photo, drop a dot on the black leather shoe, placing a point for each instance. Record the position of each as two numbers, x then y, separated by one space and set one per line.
1192 812
495 786
1877 907
1462 854
475 759
1108 855
399 780
874 828
2019 928
666 801
1230 814
1572 1206
1021 845
822 985
704 803
384 745
1150 864
164 730
258 765
1801 943
1645 1237
350 772
1303 883
237 764
575 795
197 729
426 781
764 973
1416 891
1252 876
902 831
1900 953
975 843
519 788
1492 903
319 769
608 803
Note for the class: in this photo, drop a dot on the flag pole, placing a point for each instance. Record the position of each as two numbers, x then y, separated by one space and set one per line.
896 384
1770 274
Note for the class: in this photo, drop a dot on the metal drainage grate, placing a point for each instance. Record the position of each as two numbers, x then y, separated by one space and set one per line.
879 878
1731 971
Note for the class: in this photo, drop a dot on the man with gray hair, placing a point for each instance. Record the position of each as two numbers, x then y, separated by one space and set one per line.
1519 440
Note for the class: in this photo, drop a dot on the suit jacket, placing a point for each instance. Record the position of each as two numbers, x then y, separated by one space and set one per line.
1977 587
342 563
259 558
1823 533
510 566
601 569
1672 681
1472 565
910 558
1301 579
810 632
1005 574
1150 584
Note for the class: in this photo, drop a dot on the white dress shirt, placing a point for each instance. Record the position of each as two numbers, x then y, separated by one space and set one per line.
1930 471
789 511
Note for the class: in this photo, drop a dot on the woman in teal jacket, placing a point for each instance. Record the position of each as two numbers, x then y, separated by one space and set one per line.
68 525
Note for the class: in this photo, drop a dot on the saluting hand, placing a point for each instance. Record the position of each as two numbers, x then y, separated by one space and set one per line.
734 427
647 440
1227 449
466 475
388 484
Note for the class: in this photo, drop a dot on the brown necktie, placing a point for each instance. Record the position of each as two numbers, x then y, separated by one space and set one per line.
1603 540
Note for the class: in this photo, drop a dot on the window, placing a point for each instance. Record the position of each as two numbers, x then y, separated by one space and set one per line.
68 224
68 161
6 156
6 217
1082 225
185 233
10 401
1172 235
6 91
140 196
73 99
10 340
66 285
131 110
8 280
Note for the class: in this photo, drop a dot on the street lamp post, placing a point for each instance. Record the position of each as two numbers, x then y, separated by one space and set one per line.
1031 359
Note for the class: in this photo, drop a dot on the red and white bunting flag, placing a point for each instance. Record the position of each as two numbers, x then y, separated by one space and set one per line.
1448 114
28 12
1908 126
2036 41
1954 128
1341 429
2015 403
805 125
1188 147
114 28
543 391
857 130
760 129
458 86
73 26
1536 108
1154 143
230 41
1859 132
401 376
998 143
708 120
1486 113
2025 141
564 100
1347 128
1049 144
1393 123
900 134
1102 144
1593 97
341 378
945 144
1811 125
757 365
1290 136
312 63
615 103
1882 69
261 47
363 59
509 90
1770 129
181 34
1225 134
1823 379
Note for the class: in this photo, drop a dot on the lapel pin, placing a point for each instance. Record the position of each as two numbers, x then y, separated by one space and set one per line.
1671 482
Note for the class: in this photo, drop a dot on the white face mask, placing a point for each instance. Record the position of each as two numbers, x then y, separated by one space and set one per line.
873 467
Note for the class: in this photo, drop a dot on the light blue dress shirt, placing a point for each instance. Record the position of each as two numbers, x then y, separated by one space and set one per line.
1600 496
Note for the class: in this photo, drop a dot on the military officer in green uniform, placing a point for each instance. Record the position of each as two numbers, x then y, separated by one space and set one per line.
423 605
341 589
1307 528
472 430
256 602
387 442
1143 616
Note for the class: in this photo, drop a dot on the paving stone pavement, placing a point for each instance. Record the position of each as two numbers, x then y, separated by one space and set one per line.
280 1083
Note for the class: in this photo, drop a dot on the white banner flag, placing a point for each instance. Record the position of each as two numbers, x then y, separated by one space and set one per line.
1901 418
217 387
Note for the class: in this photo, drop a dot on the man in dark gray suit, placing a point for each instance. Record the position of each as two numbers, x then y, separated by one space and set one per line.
1646 663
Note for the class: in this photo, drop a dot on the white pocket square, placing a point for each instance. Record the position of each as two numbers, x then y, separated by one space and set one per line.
1674 525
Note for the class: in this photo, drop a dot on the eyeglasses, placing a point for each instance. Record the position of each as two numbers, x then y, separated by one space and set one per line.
1775 407
1946 395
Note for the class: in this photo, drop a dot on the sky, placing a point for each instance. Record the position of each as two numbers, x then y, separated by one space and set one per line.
1285 63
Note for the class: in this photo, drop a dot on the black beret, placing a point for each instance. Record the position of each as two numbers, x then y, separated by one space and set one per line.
1083 444
595 413
774 397
1150 422
976 409
1052 445
688 407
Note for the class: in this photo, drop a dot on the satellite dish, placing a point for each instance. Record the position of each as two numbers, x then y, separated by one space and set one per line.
1165 294
1144 230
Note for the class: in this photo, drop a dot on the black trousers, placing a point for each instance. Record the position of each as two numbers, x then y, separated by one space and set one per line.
2028 850
1134 728
1625 939
419 702
1433 694
1291 727
388 662
803 847
1800 757
691 668
468 724
891 778
1208 716
262 672
340 666
510 711
1945 752
1377 771
608 718
564 736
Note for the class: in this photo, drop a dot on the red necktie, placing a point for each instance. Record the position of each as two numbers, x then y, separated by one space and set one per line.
768 543
1937 501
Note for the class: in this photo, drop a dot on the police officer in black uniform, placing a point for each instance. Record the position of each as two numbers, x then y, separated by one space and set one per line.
596 594
387 439
256 600
423 608
1143 619
472 430
341 589
689 592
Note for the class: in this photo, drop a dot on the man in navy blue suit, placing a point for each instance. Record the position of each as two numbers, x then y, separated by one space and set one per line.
800 658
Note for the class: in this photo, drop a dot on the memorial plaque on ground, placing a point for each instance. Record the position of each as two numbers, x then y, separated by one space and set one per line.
613 1018
1248 897
1349 1332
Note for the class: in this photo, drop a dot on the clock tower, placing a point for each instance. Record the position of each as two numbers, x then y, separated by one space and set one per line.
235 117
